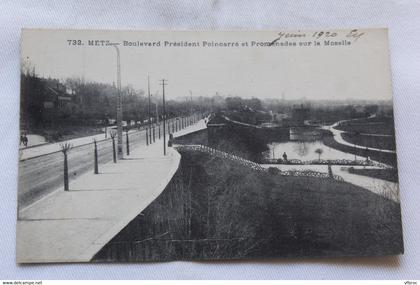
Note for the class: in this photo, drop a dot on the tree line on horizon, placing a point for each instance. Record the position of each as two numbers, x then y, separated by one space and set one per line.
51 102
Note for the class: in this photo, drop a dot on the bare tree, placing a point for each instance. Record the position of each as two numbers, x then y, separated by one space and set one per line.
319 151
65 147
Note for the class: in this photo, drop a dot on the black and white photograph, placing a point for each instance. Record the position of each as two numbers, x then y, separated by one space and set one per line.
154 146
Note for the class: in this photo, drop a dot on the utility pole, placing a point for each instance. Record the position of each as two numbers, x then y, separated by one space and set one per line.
119 104
164 115
156 105
157 123
191 107
149 118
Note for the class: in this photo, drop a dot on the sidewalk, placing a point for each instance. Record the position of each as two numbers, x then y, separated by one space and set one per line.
33 141
73 226
46 148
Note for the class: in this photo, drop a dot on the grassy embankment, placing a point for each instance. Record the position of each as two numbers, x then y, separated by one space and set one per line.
357 133
375 125
365 132
217 209
383 157
384 174
385 143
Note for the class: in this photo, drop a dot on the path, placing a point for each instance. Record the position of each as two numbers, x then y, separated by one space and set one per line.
33 140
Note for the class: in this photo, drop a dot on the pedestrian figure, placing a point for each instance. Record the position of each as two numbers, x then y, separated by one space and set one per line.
171 138
285 157
24 140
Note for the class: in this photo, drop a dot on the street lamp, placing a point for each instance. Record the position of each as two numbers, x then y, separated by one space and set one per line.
156 106
164 115
119 104
148 109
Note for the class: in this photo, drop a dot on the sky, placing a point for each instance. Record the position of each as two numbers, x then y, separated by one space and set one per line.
359 70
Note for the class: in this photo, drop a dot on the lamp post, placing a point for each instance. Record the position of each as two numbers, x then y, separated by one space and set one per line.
127 142
95 151
164 115
157 123
191 108
119 104
157 115
148 110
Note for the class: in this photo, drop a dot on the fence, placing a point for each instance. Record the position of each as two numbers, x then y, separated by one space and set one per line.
253 165
359 162
221 154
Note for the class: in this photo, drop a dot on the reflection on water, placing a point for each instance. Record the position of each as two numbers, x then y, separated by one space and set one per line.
303 144
301 149
304 150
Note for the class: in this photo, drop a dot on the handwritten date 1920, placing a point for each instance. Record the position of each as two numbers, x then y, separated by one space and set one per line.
319 34
353 34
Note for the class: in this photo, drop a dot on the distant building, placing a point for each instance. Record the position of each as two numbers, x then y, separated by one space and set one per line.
57 101
299 115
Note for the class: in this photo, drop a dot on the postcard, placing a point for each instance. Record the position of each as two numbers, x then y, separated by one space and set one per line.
140 146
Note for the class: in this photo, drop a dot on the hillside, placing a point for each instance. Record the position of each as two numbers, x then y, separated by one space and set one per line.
216 209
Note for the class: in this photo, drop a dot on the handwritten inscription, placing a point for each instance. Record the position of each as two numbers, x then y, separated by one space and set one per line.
355 34
320 35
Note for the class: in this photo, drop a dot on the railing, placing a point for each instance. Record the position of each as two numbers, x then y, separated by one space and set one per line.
221 154
241 123
254 165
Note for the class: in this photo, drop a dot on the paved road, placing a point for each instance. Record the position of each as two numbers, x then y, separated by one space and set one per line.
41 168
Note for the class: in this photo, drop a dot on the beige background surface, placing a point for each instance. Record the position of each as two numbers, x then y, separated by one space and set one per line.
400 16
